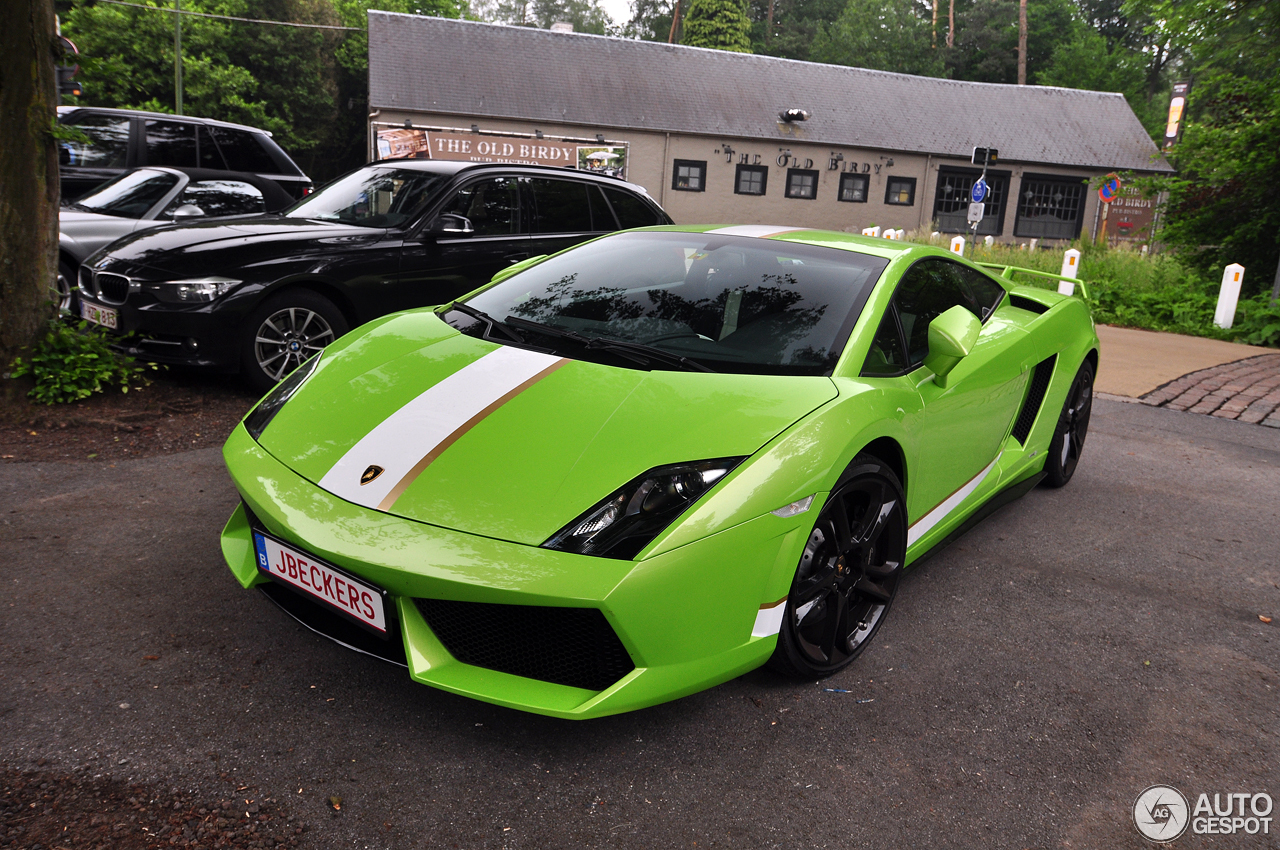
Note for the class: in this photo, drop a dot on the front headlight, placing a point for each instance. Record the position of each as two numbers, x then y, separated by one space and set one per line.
260 417
624 523
193 290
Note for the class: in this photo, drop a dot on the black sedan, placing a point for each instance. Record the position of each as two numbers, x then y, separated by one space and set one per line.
263 294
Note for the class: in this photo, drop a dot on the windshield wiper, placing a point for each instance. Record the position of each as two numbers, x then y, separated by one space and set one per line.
634 351
490 322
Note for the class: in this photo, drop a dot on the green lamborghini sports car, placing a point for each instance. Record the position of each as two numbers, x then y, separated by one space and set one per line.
643 466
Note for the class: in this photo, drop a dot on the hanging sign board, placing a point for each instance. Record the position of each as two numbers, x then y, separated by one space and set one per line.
978 193
462 146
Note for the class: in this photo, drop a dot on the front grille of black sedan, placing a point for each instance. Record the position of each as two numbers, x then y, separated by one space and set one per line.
565 646
112 288
86 281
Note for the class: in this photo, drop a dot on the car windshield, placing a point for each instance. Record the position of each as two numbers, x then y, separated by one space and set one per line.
130 195
371 197
726 303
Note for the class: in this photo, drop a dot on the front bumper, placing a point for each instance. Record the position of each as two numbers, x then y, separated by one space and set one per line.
684 617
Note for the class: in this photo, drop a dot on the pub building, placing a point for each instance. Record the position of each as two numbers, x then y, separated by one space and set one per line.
720 137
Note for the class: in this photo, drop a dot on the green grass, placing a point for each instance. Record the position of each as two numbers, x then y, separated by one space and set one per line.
1157 293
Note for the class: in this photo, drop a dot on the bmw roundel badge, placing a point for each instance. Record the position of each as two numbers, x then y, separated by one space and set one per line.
369 474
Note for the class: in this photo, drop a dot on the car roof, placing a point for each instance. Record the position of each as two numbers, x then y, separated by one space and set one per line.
275 197
447 166
67 110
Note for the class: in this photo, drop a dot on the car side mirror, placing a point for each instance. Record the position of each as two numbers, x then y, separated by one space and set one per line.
187 211
452 224
951 338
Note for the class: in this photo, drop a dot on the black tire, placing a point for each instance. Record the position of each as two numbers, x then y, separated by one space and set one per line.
286 331
61 294
1073 426
848 574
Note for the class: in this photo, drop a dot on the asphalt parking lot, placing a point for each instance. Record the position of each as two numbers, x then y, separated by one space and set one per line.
1033 678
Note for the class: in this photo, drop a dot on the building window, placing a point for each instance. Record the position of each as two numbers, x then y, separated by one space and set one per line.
951 201
853 188
690 175
802 183
1050 207
751 180
900 191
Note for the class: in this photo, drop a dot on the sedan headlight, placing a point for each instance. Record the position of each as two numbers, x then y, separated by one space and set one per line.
624 523
194 290
260 417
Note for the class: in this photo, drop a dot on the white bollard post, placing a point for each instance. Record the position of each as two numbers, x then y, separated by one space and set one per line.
1225 316
989 240
1144 251
902 234
1034 243
890 233
871 231
957 245
933 237
1070 268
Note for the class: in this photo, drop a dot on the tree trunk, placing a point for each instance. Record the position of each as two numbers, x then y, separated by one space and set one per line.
1022 42
951 24
28 178
768 27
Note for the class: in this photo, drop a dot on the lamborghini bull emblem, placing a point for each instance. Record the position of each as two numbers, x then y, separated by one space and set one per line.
371 473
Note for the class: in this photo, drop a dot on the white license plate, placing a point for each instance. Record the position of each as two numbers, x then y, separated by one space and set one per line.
104 316
350 597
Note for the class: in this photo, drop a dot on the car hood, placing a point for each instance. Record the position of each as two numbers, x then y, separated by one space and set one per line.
184 248
504 442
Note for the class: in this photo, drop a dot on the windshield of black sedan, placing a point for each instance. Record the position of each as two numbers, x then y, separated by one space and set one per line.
371 197
730 303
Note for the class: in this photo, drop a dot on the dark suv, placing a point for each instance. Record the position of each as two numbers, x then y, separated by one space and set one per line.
263 294
124 139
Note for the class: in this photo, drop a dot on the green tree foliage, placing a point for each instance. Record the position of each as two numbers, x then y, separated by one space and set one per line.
986 38
888 35
788 28
718 24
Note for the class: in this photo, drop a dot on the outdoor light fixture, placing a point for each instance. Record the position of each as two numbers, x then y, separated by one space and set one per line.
793 115
838 158
408 124
475 128
538 133
600 138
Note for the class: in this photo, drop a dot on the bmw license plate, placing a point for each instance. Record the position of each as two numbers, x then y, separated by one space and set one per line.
104 316
348 596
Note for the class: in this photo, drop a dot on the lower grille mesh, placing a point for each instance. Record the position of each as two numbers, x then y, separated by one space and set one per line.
566 646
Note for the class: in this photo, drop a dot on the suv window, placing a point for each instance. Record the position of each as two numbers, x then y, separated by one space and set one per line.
210 156
220 197
564 206
171 143
493 206
631 211
243 151
109 147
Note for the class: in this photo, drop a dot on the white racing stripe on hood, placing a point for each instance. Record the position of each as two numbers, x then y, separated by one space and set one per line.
407 440
760 231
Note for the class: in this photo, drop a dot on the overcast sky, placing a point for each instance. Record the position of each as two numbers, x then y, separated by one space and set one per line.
619 10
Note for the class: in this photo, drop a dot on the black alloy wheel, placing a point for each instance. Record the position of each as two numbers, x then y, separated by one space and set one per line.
848 574
285 332
1073 426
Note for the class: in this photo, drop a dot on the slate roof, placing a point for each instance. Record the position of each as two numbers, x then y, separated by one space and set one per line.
496 71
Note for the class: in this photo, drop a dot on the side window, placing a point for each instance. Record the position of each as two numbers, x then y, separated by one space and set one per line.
886 356
986 293
109 147
493 206
220 197
928 289
602 218
689 175
210 157
632 212
560 206
171 143
853 188
243 152
751 180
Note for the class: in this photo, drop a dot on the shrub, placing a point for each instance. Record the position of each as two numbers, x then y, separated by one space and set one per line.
71 362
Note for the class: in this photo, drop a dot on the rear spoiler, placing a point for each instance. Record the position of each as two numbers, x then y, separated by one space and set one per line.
1007 272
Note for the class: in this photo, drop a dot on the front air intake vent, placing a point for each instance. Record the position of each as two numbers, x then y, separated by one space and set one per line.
566 646
1035 398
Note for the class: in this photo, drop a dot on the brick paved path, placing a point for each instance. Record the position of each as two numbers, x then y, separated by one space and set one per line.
1247 390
